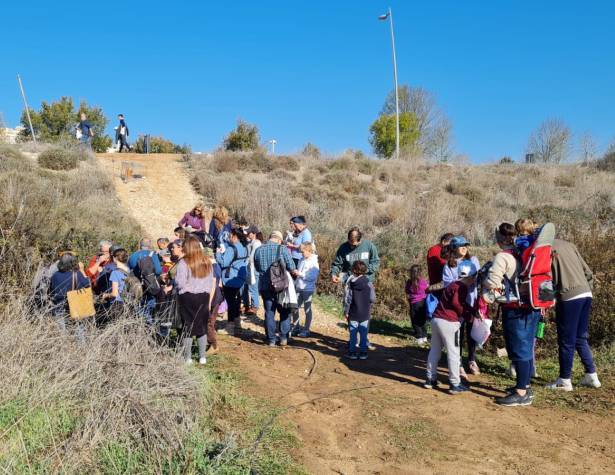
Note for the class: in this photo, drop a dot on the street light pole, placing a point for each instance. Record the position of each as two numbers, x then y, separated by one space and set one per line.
23 94
389 15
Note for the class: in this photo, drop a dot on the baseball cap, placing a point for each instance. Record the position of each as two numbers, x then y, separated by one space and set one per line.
252 229
458 241
298 220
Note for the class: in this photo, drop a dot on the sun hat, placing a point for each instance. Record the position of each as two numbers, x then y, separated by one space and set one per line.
458 241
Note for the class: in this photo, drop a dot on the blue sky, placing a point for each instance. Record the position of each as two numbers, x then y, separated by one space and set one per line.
317 71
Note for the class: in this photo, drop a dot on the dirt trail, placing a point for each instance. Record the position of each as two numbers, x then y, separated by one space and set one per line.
374 416
159 198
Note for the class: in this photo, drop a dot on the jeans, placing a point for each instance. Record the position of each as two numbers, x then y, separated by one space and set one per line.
86 141
444 334
270 302
124 143
519 333
148 305
233 300
465 333
361 328
572 320
304 299
249 294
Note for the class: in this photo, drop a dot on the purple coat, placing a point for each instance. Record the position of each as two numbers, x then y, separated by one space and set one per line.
190 220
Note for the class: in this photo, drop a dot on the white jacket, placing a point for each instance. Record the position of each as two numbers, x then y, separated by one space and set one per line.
308 274
252 247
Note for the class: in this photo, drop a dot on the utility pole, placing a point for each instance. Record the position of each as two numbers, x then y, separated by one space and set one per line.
273 142
23 94
389 16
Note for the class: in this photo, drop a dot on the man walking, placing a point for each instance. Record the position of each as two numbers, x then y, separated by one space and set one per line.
122 133
86 131
264 257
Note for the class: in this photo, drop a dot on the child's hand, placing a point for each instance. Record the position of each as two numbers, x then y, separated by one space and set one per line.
346 317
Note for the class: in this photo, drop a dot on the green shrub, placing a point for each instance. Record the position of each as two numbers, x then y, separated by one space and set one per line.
311 150
159 145
58 159
100 143
243 138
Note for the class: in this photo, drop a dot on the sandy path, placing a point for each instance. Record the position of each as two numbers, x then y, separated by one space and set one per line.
159 199
374 416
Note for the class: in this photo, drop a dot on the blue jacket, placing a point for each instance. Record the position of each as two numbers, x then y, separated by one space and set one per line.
234 263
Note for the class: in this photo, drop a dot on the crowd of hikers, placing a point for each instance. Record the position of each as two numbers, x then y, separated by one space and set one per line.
214 266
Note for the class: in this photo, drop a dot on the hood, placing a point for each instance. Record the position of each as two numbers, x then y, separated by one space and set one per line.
358 283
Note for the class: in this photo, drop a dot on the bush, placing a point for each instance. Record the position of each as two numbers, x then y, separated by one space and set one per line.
101 143
58 159
606 163
159 145
311 150
243 138
506 161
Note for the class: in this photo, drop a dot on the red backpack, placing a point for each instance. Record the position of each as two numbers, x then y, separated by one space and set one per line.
533 285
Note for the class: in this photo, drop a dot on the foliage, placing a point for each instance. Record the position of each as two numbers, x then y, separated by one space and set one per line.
101 143
56 121
243 138
607 163
159 145
58 159
550 142
310 150
383 131
506 160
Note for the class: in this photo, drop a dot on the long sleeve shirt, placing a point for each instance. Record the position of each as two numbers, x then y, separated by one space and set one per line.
308 274
347 255
453 305
266 255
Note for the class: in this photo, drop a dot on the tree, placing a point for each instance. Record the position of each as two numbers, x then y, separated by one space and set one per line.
244 137
588 148
382 134
57 120
159 145
506 160
550 142
311 150
434 128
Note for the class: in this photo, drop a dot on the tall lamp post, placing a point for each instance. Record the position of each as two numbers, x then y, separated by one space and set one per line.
389 16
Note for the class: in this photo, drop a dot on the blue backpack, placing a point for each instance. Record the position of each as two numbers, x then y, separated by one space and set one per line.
431 303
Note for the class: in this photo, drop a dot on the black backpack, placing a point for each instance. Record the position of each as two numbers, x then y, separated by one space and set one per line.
145 272
277 274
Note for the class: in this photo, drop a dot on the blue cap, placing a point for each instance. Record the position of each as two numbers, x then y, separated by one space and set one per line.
457 242
466 269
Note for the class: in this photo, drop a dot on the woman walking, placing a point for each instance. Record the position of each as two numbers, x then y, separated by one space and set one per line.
194 282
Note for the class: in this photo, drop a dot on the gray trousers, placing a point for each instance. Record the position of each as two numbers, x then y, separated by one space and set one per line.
444 334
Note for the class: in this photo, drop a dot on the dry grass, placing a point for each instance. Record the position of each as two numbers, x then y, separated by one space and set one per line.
404 207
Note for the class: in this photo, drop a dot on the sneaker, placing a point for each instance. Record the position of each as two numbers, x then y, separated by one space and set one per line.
459 388
351 356
514 399
304 334
283 341
561 384
473 367
363 356
512 389
202 360
370 346
421 341
430 383
590 380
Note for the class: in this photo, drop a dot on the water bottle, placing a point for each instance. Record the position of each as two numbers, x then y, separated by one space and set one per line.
540 328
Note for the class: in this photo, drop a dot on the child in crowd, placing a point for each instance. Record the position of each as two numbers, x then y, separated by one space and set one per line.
359 296
415 292
445 325
526 229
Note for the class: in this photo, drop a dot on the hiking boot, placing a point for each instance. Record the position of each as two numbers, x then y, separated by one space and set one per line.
203 360
514 399
561 385
213 350
363 356
430 383
473 367
351 356
458 389
590 380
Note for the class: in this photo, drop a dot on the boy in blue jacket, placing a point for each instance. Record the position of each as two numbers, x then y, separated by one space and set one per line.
359 296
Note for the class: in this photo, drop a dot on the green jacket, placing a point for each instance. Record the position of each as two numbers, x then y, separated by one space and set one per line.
346 255
571 275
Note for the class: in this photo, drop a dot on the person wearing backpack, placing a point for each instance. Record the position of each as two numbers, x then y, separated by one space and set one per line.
518 321
117 278
272 259
69 276
573 282
232 259
145 265
251 299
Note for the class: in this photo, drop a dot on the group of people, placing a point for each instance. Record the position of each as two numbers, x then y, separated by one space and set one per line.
454 280
214 265
84 132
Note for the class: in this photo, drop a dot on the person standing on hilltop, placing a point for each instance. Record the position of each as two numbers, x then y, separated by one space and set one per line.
122 133
572 279
355 249
436 259
86 131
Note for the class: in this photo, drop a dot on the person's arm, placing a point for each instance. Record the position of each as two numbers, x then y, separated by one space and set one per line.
347 300
181 275
448 276
496 274
82 281
372 293
258 256
290 264
311 274
225 258
182 222
374 260
157 265
458 301
589 275
132 261
338 263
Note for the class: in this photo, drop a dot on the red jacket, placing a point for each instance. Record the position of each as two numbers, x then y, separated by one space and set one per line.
435 264
452 305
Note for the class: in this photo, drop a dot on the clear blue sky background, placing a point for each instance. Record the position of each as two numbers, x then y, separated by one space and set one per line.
317 71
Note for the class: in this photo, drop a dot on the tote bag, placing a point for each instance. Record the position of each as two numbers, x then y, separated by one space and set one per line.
80 302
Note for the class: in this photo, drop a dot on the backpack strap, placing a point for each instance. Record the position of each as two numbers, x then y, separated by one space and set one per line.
74 281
